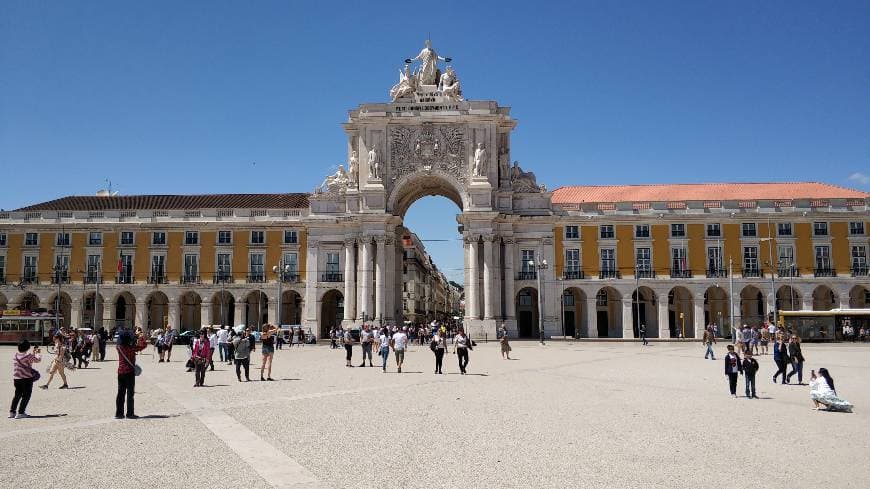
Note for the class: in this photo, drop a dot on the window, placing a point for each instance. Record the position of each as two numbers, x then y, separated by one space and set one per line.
525 297
2 239
856 228
820 229
678 230
31 239
224 266
567 299
641 231
2 267
750 258
191 238
678 261
749 230
572 263
606 231
258 237
291 237
644 261
572 232
714 260
158 238
29 269
608 260
62 239
94 269
158 268
256 268
225 237
785 256
127 238
783 229
291 264
125 269
528 260
714 230
823 257
95 238
859 260
332 263
61 268
191 267
601 298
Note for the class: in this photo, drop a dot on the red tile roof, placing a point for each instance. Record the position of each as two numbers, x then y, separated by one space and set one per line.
172 202
703 192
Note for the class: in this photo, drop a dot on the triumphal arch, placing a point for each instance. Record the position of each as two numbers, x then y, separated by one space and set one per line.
428 140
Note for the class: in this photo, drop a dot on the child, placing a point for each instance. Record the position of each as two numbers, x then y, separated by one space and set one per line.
750 368
733 366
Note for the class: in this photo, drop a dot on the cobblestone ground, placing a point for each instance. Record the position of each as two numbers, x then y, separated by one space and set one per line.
564 415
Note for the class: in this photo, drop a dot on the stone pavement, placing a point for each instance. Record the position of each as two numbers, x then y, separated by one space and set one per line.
602 415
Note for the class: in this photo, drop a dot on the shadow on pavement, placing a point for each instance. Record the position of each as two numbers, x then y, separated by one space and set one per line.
46 416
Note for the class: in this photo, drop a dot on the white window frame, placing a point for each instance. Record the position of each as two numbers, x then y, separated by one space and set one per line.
610 228
638 227
132 238
607 251
817 225
188 234
261 234
675 226
823 260
748 226
95 242
718 230
852 228
779 229
224 232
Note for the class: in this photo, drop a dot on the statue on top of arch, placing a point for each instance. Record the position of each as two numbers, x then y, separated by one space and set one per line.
427 75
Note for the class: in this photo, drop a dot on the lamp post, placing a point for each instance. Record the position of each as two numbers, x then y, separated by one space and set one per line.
772 270
539 269
280 269
682 325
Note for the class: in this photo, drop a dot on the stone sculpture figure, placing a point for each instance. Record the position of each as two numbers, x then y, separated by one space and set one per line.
407 85
353 169
449 85
428 58
522 181
337 181
479 169
374 165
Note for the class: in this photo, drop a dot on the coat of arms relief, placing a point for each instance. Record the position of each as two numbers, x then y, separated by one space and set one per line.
430 148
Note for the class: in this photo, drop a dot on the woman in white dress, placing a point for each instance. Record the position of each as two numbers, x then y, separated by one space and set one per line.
822 392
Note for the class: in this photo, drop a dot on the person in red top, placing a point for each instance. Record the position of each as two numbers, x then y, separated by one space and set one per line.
128 345
200 355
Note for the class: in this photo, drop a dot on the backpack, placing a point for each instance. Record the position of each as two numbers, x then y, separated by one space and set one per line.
433 345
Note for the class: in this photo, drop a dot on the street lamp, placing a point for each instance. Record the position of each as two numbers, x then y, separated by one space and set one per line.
539 268
682 325
280 269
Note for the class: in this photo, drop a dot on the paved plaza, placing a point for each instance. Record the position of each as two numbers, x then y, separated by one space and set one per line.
564 415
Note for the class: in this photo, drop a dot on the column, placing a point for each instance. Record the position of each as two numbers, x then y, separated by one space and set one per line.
471 293
628 317
497 281
807 302
349 280
109 308
844 299
592 317
390 283
664 328
174 314
272 312
508 277
310 311
205 314
239 313
488 277
380 276
75 312
365 274
698 316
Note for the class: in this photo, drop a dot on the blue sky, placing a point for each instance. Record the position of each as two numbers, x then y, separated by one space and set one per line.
217 96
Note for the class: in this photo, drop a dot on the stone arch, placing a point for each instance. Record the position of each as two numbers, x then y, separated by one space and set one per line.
526 302
859 297
643 311
291 308
681 312
65 310
27 301
223 308
331 311
190 304
608 312
157 311
716 308
411 188
256 311
125 309
574 312
824 298
752 306
788 298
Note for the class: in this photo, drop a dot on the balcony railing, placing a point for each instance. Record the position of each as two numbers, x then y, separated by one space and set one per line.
751 272
331 277
530 275
256 278
124 279
860 271
824 272
609 274
2 280
157 279
29 279
190 279
645 273
573 275
290 277
717 273
680 273
222 278
789 272
93 279
60 278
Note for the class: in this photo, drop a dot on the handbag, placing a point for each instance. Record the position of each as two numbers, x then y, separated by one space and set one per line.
34 374
137 370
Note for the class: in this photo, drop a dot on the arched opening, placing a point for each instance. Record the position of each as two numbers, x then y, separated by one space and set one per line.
28 302
528 325
788 299
191 307
752 306
291 308
65 309
643 311
573 312
125 310
824 298
223 308
331 311
859 297
157 306
681 313
256 309
608 314
93 310
716 309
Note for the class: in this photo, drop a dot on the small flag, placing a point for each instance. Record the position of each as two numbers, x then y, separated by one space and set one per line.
120 264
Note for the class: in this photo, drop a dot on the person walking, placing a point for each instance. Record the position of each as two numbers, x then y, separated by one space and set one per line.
384 350
797 359
504 341
23 377
733 367
781 358
213 345
104 338
268 350
709 341
58 363
750 368
439 347
200 353
223 339
461 346
128 345
399 343
242 355
366 340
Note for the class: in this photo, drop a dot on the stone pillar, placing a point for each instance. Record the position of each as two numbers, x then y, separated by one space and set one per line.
592 318
272 313
109 313
627 317
807 302
349 281
380 277
471 294
488 278
844 300
698 317
497 283
310 311
365 272
174 314
664 328
205 314
508 276
390 282
75 312
239 313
